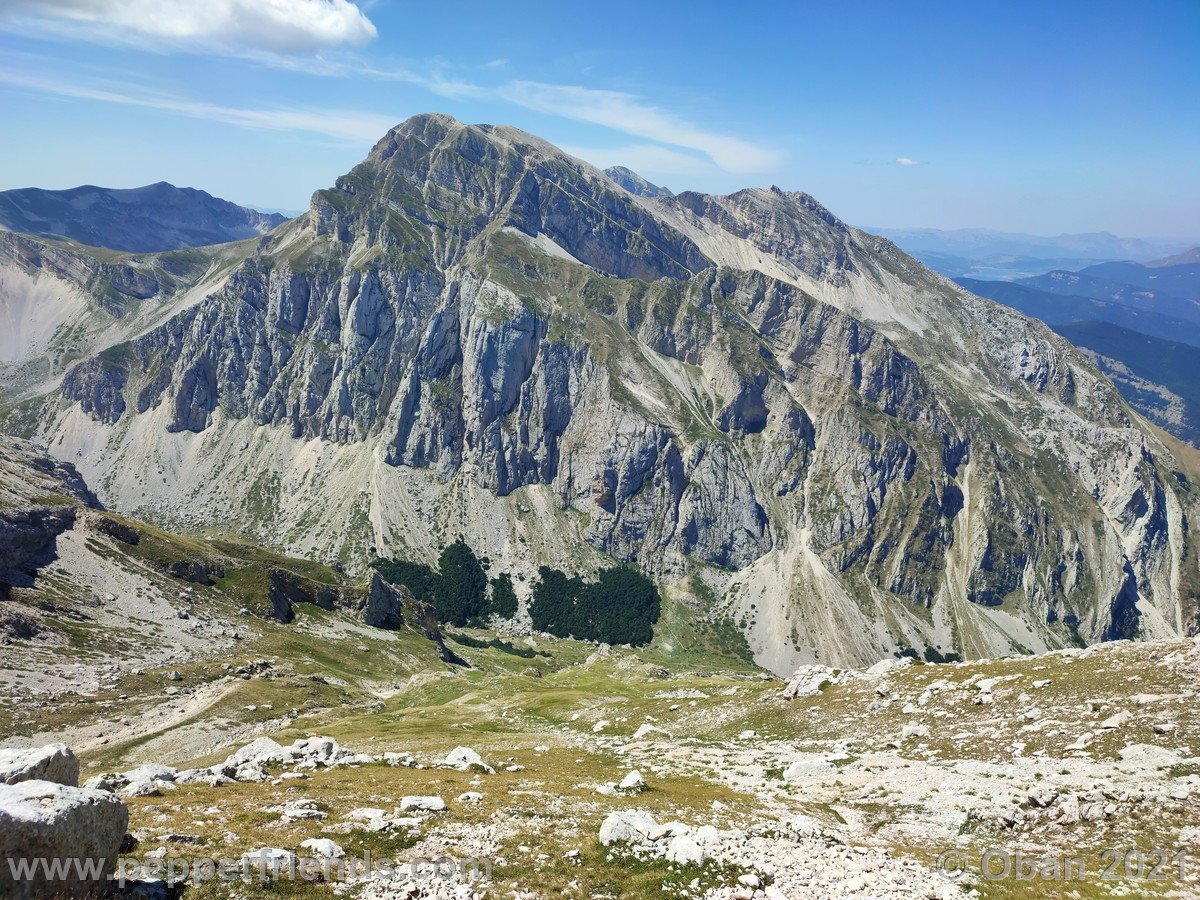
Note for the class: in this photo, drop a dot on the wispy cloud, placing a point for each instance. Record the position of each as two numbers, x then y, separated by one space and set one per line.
345 125
646 159
287 35
633 115
279 26
905 161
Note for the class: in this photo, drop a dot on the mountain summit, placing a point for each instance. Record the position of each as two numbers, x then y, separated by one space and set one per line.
635 183
790 423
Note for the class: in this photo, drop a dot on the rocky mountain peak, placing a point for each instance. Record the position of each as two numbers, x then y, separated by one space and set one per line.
854 455
635 183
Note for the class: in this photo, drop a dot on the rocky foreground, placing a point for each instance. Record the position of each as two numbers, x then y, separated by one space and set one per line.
553 768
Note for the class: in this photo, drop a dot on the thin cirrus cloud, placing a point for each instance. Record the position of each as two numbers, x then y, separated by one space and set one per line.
287 33
905 161
278 26
632 115
344 125
643 158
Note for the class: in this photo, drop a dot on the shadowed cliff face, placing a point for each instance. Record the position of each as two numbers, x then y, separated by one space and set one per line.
854 455
38 498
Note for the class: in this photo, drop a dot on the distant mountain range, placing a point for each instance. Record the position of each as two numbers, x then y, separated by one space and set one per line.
148 219
984 253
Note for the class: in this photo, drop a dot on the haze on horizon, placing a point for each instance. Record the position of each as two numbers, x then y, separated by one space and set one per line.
1068 119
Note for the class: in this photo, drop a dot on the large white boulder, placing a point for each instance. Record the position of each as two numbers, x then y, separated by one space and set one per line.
322 848
54 762
465 759
632 783
684 851
261 749
632 826
422 804
807 681
74 828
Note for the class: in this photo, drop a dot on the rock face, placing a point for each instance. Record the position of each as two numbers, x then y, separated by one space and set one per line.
80 829
856 455
384 604
54 762
146 219
39 496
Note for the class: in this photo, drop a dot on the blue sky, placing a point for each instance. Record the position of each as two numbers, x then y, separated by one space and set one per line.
1041 117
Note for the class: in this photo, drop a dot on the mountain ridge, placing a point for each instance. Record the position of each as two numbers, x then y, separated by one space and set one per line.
153 218
473 333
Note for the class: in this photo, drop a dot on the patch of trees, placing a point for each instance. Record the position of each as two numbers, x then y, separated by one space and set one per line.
457 590
620 607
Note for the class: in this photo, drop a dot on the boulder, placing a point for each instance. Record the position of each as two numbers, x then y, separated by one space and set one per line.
258 750
51 821
891 664
322 848
152 772
807 681
626 827
464 759
422 804
270 862
632 783
684 851
54 762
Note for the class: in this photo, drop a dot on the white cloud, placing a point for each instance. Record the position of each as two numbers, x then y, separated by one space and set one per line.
346 125
646 159
905 161
277 26
632 115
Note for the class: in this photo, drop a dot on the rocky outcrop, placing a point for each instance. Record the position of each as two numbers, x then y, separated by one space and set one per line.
76 830
28 538
287 588
385 604
54 762
39 499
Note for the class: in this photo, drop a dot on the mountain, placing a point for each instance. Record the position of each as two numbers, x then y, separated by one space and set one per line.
206 692
1189 257
139 220
1056 309
1160 378
984 253
792 425
1153 359
635 183
1181 280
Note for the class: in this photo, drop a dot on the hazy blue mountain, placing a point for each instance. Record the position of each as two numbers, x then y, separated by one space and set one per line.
635 183
985 253
1178 259
1180 280
1061 309
153 218
1098 282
